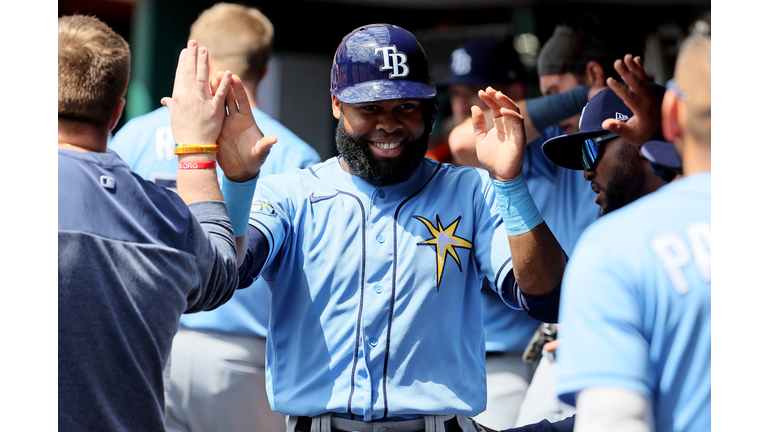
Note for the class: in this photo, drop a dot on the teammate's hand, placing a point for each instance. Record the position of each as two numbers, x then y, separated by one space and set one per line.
243 148
500 150
196 114
551 346
639 98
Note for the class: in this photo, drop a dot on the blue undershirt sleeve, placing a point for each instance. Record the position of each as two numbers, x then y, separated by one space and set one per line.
256 256
544 308
544 111
565 425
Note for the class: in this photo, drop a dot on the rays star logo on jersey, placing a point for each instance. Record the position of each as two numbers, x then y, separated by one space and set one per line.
262 206
394 61
445 242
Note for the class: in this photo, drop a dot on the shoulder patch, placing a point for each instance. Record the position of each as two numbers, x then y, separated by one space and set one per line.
262 206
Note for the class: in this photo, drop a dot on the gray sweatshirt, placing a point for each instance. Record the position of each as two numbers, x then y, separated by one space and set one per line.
132 259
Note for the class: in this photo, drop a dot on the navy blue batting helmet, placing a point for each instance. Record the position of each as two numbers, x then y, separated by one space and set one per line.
379 62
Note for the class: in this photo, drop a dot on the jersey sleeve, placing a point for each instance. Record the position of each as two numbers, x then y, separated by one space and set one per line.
602 342
270 214
492 244
215 254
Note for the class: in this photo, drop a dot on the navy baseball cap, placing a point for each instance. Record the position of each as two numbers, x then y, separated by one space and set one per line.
566 150
484 62
662 155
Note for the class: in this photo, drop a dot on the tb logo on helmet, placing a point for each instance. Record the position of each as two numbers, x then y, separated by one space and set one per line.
394 61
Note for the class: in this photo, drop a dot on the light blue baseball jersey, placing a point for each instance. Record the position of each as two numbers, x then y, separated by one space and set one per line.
146 144
567 203
376 290
636 305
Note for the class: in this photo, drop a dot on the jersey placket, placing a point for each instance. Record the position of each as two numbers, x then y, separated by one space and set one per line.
378 286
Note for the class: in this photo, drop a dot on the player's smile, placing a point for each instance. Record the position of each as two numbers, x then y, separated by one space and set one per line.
387 148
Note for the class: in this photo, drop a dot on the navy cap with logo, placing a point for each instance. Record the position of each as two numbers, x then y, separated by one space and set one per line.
483 62
380 62
579 150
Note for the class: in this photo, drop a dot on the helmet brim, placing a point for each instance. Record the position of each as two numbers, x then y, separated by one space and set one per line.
371 91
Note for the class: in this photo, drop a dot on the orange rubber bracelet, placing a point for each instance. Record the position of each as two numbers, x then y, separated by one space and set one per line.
195 149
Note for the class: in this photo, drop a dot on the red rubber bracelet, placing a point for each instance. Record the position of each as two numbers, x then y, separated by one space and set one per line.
197 165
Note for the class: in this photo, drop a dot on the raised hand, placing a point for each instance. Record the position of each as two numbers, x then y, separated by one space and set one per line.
639 98
243 148
500 150
196 114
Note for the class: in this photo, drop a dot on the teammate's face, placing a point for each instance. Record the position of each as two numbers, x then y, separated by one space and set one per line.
382 142
617 177
558 83
463 97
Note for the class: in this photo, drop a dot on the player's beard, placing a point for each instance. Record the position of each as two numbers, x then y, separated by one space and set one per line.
365 165
625 184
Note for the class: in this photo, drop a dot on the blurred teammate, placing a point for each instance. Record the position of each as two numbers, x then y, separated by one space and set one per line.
132 256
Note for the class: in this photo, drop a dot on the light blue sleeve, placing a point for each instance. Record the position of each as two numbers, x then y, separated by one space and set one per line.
491 241
270 214
602 342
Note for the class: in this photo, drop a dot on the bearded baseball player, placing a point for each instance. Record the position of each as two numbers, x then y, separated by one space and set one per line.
376 257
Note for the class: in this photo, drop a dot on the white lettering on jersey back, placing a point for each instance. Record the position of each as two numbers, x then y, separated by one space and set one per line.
674 253
164 144
700 237
397 64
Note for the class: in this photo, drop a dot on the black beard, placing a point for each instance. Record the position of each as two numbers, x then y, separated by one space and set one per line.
364 164
626 185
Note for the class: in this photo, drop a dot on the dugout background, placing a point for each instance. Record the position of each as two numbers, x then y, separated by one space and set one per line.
307 33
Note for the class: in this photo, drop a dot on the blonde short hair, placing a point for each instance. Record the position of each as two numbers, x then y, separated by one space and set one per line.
94 69
239 38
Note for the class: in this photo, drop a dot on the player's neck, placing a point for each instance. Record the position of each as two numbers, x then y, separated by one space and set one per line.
80 136
696 159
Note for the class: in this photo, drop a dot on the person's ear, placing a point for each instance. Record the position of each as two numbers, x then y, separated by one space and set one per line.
594 74
336 106
670 125
116 115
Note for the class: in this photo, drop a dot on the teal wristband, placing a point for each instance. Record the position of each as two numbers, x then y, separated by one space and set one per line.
239 197
516 205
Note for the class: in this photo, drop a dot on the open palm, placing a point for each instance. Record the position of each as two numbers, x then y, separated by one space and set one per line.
243 148
500 150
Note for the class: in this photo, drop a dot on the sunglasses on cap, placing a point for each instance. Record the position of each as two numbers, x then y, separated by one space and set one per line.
591 147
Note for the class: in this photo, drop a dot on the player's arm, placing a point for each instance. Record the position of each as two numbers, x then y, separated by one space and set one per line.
196 118
537 258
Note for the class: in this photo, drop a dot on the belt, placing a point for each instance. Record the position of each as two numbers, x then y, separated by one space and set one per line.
338 424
